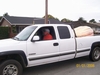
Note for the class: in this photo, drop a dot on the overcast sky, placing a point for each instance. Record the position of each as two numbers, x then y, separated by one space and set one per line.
70 9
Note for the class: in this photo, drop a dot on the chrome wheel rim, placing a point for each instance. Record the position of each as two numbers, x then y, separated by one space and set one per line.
10 70
97 53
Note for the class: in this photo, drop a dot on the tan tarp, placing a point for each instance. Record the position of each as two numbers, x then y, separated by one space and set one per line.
82 31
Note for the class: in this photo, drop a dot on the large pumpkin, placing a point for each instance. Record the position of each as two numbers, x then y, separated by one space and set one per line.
82 31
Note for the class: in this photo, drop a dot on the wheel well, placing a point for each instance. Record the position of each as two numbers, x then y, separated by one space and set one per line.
16 57
97 44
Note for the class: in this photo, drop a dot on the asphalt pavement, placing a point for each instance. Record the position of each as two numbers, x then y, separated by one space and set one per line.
78 66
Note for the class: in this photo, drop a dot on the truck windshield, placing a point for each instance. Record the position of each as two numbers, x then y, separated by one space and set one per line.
25 33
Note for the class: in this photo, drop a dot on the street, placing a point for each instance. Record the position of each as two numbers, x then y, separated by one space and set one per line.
79 66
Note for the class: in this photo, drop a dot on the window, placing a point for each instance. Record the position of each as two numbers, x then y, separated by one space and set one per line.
41 30
25 33
63 32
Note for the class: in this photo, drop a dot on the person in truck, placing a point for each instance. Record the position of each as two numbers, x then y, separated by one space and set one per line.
47 35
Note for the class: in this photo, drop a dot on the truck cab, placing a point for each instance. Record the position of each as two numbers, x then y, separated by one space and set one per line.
46 51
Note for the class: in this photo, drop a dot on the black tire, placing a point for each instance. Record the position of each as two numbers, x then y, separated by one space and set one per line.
10 67
95 54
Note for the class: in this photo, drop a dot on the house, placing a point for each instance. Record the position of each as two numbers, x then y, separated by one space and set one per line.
18 23
94 26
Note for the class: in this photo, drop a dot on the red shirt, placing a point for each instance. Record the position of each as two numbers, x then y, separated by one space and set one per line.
47 37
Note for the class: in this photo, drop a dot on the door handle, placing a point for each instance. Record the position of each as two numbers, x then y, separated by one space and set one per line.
55 44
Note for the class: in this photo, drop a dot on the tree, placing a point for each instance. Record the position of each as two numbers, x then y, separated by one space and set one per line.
0 17
81 19
92 21
51 17
65 20
57 19
6 14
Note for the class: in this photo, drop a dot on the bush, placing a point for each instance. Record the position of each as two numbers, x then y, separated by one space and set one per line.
4 32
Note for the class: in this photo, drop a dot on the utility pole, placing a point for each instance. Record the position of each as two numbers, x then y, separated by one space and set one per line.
46 11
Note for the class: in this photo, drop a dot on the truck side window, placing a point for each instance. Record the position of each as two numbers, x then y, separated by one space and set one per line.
63 32
41 31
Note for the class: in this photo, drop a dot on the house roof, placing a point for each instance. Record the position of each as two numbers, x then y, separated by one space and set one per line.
14 20
98 24
55 21
50 21
75 24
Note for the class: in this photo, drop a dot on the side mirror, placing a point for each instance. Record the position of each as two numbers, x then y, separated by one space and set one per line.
35 38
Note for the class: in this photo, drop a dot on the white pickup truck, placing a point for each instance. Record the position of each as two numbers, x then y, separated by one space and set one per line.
28 48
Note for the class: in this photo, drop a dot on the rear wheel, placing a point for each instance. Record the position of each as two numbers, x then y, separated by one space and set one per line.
95 54
10 67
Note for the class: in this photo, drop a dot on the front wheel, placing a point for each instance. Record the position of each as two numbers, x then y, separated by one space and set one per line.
10 67
95 54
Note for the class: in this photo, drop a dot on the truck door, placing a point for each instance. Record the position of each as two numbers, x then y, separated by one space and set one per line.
43 51
66 43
